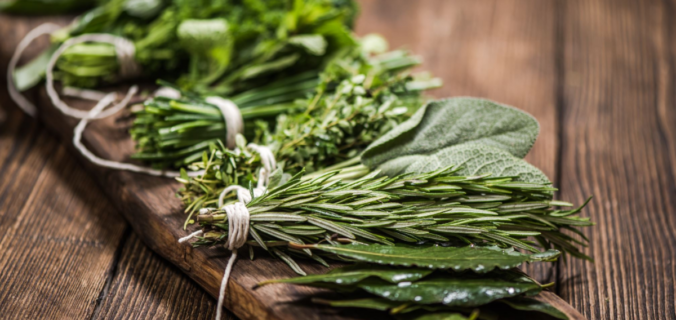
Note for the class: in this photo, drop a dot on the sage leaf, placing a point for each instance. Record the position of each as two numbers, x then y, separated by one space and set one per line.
457 290
473 159
355 273
445 123
478 259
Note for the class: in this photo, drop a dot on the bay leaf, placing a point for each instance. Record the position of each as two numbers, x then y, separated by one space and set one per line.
478 259
444 123
365 303
355 273
456 290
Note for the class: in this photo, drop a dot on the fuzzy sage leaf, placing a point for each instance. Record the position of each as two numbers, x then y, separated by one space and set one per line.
446 123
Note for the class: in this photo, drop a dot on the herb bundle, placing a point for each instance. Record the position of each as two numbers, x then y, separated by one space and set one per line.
437 213
220 47
357 98
436 207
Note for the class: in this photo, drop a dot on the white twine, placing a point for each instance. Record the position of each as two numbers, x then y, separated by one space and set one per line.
167 92
17 97
124 50
92 114
190 236
238 216
234 123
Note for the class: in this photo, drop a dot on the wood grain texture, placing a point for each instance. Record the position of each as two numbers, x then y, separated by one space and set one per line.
59 239
618 145
501 50
145 286
61 246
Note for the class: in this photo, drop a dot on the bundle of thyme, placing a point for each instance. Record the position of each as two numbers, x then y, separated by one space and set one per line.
357 98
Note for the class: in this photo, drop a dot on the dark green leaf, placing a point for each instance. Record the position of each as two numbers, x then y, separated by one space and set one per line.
352 274
477 259
459 290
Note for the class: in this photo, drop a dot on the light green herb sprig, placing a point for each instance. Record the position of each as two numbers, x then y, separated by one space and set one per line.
357 98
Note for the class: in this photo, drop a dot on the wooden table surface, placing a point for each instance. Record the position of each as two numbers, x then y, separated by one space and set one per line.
600 76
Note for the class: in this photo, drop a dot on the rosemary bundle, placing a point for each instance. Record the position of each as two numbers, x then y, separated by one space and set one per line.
433 207
357 98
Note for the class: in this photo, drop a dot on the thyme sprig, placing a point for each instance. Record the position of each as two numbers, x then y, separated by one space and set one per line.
357 98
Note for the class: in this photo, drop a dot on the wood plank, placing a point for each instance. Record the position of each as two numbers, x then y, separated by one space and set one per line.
145 286
23 142
65 237
500 50
25 148
619 146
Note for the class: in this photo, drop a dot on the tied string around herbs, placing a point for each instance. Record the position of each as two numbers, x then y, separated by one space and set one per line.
231 115
238 215
125 52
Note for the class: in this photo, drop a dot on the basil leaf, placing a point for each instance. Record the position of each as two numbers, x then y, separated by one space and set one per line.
355 273
477 259
444 123
474 159
457 290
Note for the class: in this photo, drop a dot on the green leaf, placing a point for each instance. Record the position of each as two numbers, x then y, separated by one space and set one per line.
477 259
474 159
366 303
457 290
433 316
446 123
313 43
30 74
355 273
530 304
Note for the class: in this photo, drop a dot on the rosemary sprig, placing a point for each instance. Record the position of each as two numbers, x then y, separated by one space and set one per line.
436 207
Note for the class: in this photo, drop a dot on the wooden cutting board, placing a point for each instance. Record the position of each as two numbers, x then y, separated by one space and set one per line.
156 215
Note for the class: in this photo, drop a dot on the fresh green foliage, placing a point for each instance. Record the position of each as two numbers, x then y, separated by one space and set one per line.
421 143
475 159
215 46
357 98
457 290
433 207
453 289
355 273
410 294
479 259
522 308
